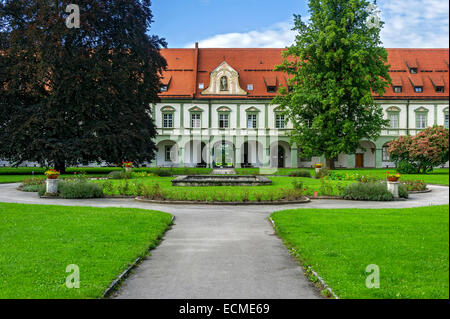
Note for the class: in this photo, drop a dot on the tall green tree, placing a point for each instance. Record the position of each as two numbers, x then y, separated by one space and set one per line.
77 95
334 66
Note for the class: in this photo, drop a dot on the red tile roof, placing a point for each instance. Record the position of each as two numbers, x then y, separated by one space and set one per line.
187 68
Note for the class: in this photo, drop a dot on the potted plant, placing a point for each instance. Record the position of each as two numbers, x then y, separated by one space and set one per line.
52 181
393 177
318 167
128 166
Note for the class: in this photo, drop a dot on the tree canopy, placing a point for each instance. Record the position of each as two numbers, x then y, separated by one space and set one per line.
76 95
334 66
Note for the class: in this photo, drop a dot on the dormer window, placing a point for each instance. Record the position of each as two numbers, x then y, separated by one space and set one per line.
439 89
413 70
250 87
271 89
418 89
164 88
397 89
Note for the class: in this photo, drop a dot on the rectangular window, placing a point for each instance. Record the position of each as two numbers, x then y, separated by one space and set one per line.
393 120
439 89
418 89
279 121
446 121
223 121
167 120
251 121
196 120
413 70
167 153
421 121
386 156
397 89
271 89
164 88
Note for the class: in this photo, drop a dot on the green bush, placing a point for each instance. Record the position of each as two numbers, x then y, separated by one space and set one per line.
368 191
322 173
404 167
32 188
403 191
33 181
415 185
79 189
297 184
119 175
300 173
161 172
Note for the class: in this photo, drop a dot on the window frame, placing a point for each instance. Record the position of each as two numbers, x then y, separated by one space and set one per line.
199 114
398 87
168 150
421 112
172 120
385 156
418 89
446 125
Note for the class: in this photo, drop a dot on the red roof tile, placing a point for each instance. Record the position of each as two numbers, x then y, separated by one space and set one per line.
187 68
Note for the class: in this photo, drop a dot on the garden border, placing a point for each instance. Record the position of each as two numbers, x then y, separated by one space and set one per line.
249 203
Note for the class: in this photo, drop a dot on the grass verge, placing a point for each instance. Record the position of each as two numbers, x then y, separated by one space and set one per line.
410 247
38 242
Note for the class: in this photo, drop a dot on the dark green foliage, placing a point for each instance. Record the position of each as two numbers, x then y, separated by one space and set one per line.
79 189
297 184
119 175
300 173
368 191
403 191
162 172
335 64
405 167
32 188
73 96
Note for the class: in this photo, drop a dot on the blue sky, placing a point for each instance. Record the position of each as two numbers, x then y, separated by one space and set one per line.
268 23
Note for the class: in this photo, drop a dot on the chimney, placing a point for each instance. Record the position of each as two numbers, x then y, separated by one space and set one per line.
196 45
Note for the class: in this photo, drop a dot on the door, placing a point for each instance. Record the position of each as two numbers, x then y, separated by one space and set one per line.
280 157
359 160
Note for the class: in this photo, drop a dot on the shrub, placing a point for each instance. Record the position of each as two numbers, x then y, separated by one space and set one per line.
33 181
326 188
79 189
245 195
300 173
402 191
368 191
153 192
414 185
405 167
322 173
161 172
119 175
297 184
31 188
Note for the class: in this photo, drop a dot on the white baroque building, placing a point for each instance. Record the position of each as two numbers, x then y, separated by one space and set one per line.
215 108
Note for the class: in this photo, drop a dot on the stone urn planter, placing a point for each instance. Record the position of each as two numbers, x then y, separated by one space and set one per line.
393 184
128 166
52 182
318 168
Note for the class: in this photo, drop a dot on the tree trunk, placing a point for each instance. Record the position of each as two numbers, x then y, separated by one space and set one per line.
330 163
60 165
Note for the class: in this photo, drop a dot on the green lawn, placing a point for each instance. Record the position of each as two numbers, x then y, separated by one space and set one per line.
410 246
38 242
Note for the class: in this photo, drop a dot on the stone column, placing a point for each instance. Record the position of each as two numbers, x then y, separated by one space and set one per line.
393 188
294 157
52 186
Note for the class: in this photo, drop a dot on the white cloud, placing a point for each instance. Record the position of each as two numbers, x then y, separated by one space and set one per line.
408 24
277 36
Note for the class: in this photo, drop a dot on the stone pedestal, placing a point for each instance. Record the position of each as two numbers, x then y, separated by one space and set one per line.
318 169
393 188
128 169
52 186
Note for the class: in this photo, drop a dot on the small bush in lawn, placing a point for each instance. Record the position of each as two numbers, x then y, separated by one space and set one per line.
297 184
79 189
161 172
405 167
300 173
322 173
326 188
368 191
245 195
119 175
153 192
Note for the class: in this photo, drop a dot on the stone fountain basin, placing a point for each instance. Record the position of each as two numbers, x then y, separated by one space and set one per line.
220 180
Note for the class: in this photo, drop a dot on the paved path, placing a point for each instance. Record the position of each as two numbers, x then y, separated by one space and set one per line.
220 251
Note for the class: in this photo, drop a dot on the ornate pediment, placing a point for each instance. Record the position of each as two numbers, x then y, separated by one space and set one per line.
224 80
